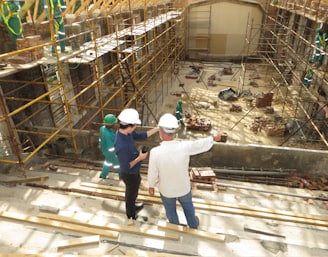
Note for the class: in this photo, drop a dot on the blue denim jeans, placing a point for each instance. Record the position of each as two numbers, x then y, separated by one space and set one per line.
170 206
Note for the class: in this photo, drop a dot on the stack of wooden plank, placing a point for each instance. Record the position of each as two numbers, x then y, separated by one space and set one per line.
204 175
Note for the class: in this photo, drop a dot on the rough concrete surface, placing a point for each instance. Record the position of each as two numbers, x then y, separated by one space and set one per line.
244 235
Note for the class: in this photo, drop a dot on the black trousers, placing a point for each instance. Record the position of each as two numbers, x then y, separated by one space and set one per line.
132 183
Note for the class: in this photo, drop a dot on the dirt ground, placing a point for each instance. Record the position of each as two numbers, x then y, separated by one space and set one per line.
201 100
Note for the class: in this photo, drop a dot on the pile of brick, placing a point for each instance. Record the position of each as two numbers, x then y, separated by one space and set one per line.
269 110
235 108
264 100
316 183
259 123
28 56
272 130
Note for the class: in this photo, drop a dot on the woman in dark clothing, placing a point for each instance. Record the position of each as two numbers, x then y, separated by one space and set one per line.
130 158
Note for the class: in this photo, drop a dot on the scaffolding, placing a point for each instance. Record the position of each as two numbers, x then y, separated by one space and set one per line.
119 56
285 50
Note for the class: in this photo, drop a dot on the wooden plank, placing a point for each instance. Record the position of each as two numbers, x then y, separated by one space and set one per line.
210 203
24 180
191 231
82 241
93 223
58 224
236 209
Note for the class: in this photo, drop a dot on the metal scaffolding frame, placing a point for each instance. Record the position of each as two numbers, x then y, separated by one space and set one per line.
130 65
285 48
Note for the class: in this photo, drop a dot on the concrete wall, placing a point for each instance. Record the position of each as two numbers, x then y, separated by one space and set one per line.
221 27
264 157
230 155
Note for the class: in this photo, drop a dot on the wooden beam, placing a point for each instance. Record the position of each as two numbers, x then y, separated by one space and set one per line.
230 208
36 5
58 224
114 4
69 7
111 226
84 7
220 204
95 6
106 4
41 17
82 241
26 7
24 180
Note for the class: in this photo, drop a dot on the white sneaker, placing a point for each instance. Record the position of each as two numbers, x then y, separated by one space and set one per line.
129 222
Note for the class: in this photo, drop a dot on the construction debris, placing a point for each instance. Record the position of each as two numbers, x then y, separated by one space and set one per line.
51 209
235 108
228 94
227 71
211 81
264 100
201 123
194 73
275 130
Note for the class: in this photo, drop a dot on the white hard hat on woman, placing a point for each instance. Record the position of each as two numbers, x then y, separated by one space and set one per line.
129 116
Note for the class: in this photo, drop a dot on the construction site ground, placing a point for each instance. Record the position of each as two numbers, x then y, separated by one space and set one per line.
65 208
61 206
201 100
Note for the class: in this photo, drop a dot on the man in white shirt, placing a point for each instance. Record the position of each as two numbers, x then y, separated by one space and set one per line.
168 166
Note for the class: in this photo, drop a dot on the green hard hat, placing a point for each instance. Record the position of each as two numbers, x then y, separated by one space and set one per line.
110 119
317 29
180 101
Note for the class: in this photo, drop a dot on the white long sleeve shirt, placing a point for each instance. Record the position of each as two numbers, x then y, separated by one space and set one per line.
169 164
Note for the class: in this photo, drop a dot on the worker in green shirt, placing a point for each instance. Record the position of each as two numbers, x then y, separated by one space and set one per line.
9 15
55 13
106 144
178 112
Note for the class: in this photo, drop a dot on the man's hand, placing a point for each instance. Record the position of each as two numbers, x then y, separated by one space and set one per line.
151 191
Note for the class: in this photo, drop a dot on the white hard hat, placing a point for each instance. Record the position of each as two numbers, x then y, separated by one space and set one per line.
168 123
129 116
